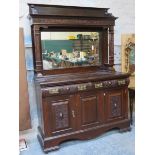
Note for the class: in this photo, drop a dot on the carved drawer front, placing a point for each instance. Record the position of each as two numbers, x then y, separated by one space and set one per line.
114 105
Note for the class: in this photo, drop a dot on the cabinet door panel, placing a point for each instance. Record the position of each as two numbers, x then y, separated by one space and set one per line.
115 103
59 117
89 109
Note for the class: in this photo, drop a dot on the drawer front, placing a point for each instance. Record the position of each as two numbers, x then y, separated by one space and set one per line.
66 89
70 89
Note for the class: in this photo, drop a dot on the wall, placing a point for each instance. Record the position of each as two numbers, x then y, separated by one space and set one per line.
124 9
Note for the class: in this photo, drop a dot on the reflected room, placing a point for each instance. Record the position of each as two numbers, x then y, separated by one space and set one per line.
70 49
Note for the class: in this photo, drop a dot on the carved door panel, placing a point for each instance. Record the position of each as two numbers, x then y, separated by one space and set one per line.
60 114
89 109
115 103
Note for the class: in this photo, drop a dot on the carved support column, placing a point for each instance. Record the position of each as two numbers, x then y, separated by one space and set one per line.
111 45
105 46
37 48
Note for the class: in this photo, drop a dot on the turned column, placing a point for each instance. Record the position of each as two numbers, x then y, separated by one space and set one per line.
104 45
37 48
111 45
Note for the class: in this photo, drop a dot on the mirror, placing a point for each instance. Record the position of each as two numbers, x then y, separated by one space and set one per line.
70 49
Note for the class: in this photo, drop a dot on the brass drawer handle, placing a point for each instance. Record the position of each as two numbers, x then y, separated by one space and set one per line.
54 91
121 82
82 87
98 85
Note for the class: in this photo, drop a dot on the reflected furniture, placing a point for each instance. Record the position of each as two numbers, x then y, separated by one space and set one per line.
79 94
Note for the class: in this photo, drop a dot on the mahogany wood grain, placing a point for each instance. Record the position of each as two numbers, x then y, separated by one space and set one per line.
79 102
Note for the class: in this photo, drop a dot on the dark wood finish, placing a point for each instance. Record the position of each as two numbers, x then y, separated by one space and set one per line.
114 105
24 109
78 109
58 114
89 105
132 99
68 11
81 102
111 47
62 18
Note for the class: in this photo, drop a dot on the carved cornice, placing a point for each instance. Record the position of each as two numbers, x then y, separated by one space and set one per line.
68 11
67 21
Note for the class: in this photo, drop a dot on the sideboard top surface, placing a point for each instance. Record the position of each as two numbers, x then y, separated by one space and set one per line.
80 77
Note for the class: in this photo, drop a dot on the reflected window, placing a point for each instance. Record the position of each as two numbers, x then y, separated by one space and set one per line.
70 49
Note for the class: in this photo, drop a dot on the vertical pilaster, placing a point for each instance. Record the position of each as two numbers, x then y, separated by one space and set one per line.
111 45
37 48
105 46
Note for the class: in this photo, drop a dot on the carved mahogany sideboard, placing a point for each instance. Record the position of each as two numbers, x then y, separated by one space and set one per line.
77 102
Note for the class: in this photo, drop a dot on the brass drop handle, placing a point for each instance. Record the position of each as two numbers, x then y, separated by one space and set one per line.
121 82
73 113
98 85
61 115
81 87
54 91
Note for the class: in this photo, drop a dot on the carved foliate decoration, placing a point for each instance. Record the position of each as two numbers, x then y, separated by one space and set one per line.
61 115
115 105
130 57
60 21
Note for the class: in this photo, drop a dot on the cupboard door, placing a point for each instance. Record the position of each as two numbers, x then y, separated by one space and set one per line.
115 104
89 107
59 114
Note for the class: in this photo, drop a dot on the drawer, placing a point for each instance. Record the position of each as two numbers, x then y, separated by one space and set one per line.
59 90
69 89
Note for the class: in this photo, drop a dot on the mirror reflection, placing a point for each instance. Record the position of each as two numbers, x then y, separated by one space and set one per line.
69 49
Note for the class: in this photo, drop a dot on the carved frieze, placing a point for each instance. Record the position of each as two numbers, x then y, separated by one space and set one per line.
68 21
84 87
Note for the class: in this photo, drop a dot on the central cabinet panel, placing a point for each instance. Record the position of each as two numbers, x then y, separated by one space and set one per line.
89 105
89 110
